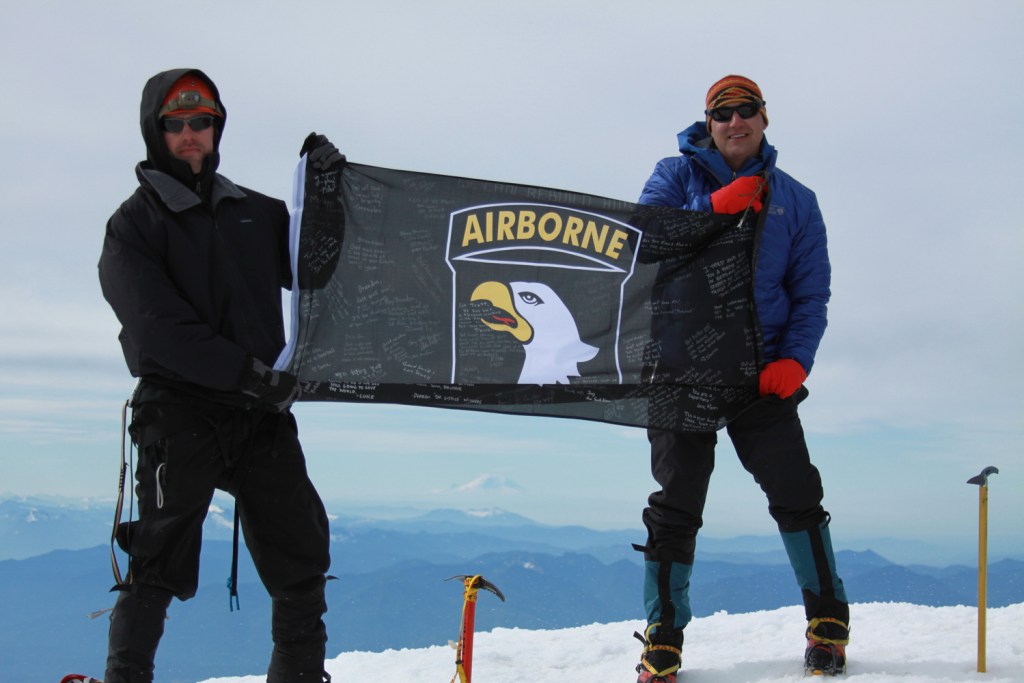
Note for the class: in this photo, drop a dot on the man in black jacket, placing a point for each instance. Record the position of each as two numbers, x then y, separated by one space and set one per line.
193 266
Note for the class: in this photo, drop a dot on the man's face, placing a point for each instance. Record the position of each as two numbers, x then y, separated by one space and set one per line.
189 145
738 139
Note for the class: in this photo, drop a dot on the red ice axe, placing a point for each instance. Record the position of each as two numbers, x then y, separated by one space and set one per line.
464 650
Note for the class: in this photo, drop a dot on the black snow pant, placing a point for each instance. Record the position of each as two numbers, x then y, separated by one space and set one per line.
769 441
185 453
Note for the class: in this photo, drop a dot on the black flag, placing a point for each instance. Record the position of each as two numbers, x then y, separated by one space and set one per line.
433 290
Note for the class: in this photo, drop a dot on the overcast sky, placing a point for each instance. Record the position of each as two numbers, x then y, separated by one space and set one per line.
902 116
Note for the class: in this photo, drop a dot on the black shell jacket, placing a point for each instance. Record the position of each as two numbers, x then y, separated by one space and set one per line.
193 267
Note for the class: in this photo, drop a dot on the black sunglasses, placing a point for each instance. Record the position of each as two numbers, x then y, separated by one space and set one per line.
196 123
746 110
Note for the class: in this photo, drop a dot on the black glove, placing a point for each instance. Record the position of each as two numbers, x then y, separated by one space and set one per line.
274 389
322 152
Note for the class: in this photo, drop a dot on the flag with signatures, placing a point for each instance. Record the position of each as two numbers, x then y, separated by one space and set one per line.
423 289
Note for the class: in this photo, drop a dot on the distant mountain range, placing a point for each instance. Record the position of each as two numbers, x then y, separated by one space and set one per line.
391 591
31 526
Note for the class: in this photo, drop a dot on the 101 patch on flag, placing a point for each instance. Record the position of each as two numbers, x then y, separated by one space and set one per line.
423 289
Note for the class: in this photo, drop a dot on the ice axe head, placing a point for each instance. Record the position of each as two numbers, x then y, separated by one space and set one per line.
982 479
476 582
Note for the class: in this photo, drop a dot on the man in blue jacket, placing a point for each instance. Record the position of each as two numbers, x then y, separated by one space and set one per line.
727 166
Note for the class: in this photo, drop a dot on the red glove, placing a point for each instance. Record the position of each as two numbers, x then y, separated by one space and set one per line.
782 377
738 195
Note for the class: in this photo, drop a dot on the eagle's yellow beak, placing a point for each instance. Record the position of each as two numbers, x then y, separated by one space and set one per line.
501 298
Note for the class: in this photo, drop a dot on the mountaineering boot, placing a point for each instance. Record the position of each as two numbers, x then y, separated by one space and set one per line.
668 564
826 647
825 604
661 657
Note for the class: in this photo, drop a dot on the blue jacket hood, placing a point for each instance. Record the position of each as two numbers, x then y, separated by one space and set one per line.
696 143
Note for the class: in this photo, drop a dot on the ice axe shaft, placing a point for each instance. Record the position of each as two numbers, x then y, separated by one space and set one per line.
464 650
982 482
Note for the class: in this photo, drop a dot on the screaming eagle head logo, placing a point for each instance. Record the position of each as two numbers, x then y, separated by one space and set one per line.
536 316
531 280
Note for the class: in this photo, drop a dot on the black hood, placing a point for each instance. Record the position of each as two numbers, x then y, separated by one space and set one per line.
157 155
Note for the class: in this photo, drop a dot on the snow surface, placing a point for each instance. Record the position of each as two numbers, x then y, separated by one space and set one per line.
889 642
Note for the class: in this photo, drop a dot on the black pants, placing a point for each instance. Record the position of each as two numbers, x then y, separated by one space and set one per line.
769 441
185 453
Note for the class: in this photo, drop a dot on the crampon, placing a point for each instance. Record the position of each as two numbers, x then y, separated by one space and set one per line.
661 657
826 647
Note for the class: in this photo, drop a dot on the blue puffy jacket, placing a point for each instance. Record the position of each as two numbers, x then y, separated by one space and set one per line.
792 272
